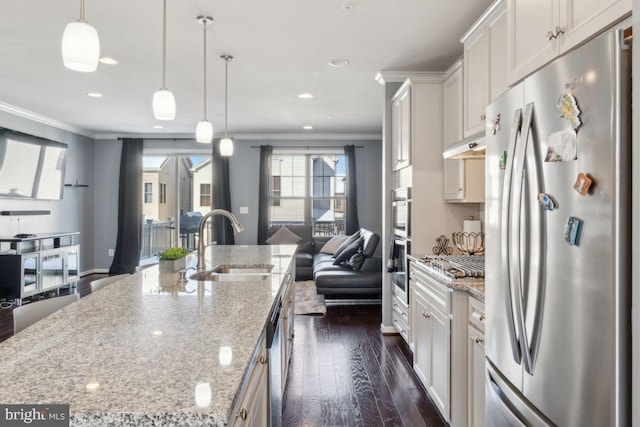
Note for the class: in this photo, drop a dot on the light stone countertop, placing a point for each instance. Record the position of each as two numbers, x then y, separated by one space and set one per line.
147 348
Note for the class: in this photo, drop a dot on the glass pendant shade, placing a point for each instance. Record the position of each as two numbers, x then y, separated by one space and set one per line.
204 132
164 105
226 146
80 47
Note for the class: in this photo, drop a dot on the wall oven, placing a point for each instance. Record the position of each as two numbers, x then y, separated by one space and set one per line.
398 266
401 212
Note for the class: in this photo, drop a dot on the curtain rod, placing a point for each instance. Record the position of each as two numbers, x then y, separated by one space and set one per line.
308 147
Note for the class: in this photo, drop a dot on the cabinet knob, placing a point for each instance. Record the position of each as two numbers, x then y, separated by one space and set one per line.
459 189
483 117
481 318
262 359
550 36
242 414
559 30
478 340
426 315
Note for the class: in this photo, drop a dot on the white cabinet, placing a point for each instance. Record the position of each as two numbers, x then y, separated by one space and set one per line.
538 31
475 364
463 178
401 134
38 264
431 331
485 65
253 407
286 327
400 319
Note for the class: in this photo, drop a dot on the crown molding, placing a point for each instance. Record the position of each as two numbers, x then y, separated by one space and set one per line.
29 115
383 77
253 136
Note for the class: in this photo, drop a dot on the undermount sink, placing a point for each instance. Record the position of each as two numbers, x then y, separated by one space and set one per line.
234 273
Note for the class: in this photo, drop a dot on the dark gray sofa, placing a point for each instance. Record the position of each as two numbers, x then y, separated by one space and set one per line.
337 281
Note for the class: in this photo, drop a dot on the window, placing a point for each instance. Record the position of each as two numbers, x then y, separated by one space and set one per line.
205 194
163 193
309 189
148 192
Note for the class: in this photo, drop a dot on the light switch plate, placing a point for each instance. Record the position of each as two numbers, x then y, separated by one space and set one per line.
244 210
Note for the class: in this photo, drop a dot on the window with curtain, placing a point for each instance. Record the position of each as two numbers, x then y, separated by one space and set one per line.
309 189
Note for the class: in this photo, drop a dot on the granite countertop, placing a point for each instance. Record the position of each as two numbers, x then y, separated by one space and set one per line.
473 286
133 352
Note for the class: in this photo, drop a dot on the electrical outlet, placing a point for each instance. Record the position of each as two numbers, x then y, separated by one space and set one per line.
111 252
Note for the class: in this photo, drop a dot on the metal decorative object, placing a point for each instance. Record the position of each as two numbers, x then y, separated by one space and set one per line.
471 243
442 246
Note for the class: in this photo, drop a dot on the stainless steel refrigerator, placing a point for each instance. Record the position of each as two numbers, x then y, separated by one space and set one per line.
558 223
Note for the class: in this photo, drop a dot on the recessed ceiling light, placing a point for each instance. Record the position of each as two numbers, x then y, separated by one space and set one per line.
307 127
338 62
94 94
348 6
156 333
92 386
158 127
108 61
305 95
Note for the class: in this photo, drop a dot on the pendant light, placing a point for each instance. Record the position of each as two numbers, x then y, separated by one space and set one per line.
204 130
80 45
226 143
164 104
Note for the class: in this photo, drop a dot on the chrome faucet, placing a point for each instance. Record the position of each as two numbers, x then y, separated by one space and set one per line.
237 228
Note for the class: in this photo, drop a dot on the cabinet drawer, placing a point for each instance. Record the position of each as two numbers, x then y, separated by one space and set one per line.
400 309
436 293
401 326
476 314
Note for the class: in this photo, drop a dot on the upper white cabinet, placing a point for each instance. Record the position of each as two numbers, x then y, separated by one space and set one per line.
453 172
485 65
543 29
463 178
401 111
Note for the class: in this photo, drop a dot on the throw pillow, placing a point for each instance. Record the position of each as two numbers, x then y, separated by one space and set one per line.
333 244
356 261
348 252
284 236
355 236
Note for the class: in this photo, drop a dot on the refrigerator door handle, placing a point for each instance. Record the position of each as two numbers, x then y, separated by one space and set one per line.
505 236
515 225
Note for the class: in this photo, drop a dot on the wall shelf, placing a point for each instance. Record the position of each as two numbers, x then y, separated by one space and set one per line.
19 213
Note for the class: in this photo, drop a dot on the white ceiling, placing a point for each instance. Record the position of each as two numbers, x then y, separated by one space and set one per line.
281 48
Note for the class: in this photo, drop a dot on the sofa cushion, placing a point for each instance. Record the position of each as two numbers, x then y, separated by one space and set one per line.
355 236
370 243
333 244
284 236
356 261
348 252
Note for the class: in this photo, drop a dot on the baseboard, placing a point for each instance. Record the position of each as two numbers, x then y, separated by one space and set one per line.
388 330
337 301
94 271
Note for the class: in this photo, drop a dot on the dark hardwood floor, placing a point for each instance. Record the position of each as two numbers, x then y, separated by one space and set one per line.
343 371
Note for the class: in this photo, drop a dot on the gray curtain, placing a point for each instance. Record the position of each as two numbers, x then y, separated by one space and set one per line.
221 231
351 192
264 193
128 245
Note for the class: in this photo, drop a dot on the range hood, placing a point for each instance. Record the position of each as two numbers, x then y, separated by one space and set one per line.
472 147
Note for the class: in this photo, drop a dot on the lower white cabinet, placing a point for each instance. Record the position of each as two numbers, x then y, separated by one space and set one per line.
431 331
253 409
400 319
476 364
286 325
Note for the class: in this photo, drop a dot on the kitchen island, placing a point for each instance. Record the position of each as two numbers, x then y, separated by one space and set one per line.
149 350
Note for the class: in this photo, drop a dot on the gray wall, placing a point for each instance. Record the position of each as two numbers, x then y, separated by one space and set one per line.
76 209
244 177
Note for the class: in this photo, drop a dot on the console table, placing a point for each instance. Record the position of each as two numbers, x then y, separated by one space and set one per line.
38 263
